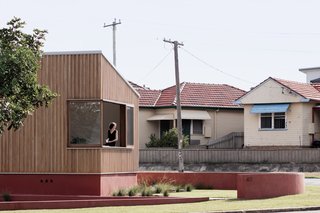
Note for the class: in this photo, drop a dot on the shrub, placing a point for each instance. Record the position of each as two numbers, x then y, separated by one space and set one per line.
179 188
189 187
147 192
169 139
158 189
120 192
166 193
133 191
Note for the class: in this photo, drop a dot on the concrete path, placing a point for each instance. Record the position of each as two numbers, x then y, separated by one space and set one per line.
312 182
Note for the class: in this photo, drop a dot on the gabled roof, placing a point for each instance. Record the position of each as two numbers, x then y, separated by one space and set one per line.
306 90
193 95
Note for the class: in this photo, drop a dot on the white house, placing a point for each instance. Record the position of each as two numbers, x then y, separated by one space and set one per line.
282 113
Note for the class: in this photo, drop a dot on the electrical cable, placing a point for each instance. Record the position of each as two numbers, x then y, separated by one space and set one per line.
216 69
156 66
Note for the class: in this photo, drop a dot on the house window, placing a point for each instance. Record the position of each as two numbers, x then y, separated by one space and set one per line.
273 120
89 122
84 123
197 127
266 120
279 120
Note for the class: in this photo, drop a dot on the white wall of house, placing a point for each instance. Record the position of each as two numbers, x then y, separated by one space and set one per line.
298 117
146 128
270 92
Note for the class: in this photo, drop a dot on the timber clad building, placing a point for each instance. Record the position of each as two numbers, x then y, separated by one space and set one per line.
60 149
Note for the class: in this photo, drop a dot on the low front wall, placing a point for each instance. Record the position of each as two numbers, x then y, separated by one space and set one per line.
267 185
212 180
248 185
65 184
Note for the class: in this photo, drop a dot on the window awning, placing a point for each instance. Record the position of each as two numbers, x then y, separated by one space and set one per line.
194 115
161 117
269 108
185 114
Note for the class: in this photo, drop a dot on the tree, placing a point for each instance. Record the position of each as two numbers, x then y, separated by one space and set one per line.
20 93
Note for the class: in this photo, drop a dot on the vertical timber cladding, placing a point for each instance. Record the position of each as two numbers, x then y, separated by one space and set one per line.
41 144
115 88
72 76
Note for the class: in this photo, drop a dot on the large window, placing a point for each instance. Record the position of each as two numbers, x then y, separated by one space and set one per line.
84 122
273 120
89 123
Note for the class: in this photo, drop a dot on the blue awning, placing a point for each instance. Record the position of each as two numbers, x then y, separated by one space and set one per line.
269 108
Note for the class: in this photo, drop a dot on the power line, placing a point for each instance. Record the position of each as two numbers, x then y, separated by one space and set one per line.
216 69
157 65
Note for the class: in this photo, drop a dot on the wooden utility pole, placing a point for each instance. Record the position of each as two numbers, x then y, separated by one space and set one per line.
179 120
114 24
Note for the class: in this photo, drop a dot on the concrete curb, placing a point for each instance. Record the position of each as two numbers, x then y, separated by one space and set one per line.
310 208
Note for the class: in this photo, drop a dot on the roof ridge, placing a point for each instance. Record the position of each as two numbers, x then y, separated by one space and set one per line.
156 101
175 97
290 81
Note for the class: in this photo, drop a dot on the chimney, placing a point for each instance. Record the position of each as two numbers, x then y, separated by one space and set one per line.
313 74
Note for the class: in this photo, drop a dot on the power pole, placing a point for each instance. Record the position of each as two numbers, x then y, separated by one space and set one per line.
113 25
179 121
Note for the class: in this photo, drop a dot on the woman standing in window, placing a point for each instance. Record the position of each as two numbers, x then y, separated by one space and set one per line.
112 137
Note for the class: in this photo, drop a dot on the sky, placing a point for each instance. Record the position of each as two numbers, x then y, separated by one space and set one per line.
235 42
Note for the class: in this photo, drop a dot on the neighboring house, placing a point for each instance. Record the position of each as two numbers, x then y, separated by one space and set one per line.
59 150
208 111
282 113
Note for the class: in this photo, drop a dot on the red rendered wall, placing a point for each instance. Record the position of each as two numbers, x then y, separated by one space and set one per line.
65 184
212 180
267 185
248 185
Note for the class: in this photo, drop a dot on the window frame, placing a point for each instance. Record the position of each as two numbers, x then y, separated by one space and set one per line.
101 103
273 117
192 127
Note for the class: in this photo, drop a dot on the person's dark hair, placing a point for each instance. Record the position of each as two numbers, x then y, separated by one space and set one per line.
111 125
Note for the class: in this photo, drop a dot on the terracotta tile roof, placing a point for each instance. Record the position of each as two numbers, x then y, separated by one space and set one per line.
210 95
167 97
193 95
148 97
309 91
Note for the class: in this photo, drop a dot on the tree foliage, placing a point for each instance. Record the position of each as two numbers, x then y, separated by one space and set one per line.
20 93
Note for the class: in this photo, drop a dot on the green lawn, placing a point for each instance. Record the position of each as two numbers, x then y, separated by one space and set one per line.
310 198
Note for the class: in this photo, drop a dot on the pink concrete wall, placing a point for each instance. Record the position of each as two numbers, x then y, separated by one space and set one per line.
267 185
112 182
